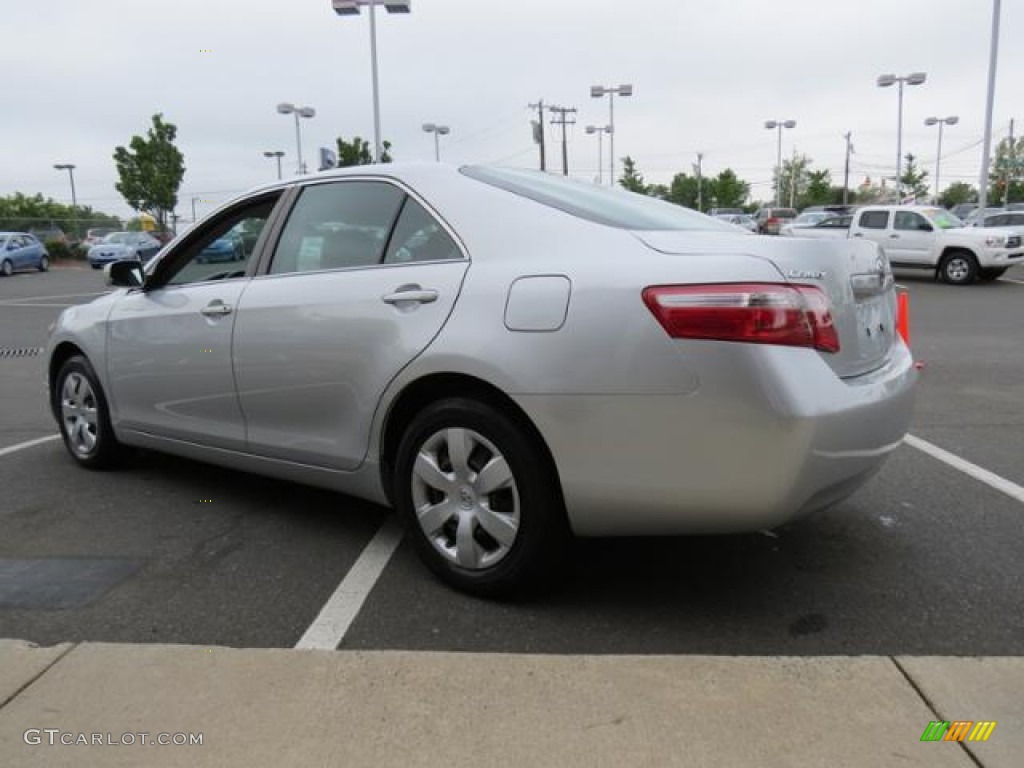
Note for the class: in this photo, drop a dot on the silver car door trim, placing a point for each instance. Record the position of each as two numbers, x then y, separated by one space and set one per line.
215 309
418 295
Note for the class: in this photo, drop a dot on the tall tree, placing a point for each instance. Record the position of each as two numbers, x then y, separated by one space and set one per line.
683 190
727 190
358 152
632 179
150 172
914 179
956 193
792 178
1007 172
817 190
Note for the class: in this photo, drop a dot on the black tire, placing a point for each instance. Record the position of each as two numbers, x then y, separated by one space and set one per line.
95 266
994 273
6 268
44 263
539 541
105 451
958 268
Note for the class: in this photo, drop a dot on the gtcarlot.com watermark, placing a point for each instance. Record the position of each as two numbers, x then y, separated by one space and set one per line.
56 737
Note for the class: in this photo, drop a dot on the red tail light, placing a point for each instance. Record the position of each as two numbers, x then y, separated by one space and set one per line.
757 313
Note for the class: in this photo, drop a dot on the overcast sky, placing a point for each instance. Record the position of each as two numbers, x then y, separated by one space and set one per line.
82 77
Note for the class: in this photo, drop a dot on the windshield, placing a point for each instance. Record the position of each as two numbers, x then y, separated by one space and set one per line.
942 219
118 237
612 207
812 218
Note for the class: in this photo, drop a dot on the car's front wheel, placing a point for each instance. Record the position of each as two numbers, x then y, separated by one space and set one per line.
479 498
44 263
959 268
83 415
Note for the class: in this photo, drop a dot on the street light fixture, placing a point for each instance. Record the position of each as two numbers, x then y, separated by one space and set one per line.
600 130
438 131
772 125
285 108
940 121
884 81
596 92
276 154
351 8
70 168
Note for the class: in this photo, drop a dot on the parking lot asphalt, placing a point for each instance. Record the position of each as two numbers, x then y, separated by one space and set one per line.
923 560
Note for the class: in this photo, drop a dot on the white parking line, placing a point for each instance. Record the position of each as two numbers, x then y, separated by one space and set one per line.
36 305
990 479
330 626
1011 280
27 444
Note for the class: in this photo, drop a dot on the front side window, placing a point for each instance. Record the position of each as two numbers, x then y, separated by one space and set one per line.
874 219
942 219
910 221
223 248
338 225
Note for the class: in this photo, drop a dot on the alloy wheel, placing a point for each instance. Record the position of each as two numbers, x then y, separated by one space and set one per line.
79 413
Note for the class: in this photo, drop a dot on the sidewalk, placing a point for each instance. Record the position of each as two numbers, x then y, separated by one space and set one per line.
347 708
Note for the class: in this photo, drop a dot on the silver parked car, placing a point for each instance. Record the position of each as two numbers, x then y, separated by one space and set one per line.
505 356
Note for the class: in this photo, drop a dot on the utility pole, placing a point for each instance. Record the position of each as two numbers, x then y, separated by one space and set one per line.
700 192
563 121
792 180
1010 166
538 131
846 169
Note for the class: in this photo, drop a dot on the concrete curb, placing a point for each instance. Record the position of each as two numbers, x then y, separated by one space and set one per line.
287 707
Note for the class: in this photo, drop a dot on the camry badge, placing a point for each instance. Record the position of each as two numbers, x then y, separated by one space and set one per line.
800 274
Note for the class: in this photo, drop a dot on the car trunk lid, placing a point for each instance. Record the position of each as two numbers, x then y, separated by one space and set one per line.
855 275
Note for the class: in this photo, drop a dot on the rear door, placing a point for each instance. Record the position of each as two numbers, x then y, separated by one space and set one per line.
362 278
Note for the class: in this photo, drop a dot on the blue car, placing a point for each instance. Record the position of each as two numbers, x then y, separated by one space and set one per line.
227 248
20 250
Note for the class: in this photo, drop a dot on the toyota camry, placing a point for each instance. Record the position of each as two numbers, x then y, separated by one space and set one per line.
506 357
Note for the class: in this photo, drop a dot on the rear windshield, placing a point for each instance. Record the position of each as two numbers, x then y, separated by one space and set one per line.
612 207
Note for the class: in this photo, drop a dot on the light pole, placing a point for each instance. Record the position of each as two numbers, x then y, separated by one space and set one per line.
351 8
884 81
993 55
277 154
286 108
596 92
940 121
438 131
194 209
600 130
70 168
771 125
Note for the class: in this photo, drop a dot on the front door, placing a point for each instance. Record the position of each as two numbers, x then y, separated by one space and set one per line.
911 239
169 346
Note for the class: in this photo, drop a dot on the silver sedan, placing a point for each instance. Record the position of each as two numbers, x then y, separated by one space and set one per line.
504 356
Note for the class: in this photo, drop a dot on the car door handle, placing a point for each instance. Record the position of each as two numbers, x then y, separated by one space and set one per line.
894 237
216 309
858 234
418 295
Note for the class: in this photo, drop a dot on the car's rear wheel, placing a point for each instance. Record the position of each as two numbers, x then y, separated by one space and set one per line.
988 275
83 415
483 508
959 268
6 268
44 263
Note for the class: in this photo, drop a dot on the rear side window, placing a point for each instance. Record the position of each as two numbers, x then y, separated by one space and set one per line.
874 219
419 237
997 221
337 226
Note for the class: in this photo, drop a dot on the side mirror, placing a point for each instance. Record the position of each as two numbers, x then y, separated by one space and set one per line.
124 274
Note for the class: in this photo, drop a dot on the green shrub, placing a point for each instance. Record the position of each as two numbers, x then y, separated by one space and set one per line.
59 250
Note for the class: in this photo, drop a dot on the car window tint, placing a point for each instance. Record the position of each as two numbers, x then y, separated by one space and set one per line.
419 237
908 220
997 221
336 226
223 248
874 219
1015 219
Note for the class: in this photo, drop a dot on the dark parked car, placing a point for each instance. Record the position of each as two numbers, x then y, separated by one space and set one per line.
117 246
226 248
770 220
20 250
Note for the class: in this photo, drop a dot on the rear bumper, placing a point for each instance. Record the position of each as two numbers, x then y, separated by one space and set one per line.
740 453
